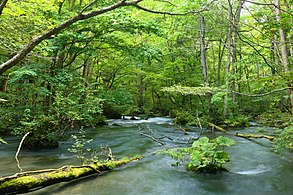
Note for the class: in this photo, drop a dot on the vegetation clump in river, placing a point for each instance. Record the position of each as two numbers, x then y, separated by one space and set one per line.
204 156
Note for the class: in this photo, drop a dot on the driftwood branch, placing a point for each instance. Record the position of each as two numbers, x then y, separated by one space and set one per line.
153 138
182 129
18 150
3 100
217 127
248 136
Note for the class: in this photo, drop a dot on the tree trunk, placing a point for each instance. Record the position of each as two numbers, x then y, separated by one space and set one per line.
236 20
33 180
140 92
284 52
203 50
229 43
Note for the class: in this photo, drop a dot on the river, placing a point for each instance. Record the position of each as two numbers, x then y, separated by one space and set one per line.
254 167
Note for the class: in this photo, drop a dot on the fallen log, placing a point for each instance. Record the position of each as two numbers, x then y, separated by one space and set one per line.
217 127
33 180
247 136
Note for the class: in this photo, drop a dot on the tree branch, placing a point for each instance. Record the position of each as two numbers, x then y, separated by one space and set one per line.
18 150
35 41
87 6
2 5
263 94
206 8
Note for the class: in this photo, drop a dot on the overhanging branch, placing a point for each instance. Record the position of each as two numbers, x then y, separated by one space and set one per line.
263 94
206 8
80 16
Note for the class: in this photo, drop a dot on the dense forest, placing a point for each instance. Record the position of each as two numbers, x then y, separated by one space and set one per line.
67 64
206 65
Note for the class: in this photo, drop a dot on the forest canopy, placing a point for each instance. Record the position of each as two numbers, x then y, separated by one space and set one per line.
67 63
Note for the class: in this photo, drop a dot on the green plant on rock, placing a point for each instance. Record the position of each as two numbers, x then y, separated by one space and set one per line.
204 156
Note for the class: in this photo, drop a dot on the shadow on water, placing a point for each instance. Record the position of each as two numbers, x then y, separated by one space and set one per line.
254 168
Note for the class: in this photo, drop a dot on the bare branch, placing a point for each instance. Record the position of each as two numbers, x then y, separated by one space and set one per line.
153 138
269 4
206 8
87 6
168 2
258 3
263 94
18 150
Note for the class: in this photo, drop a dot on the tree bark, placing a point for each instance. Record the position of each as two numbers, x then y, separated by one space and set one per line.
34 180
247 136
236 20
2 5
229 43
284 52
203 50
80 16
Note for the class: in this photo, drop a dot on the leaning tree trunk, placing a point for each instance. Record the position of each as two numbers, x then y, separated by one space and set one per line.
34 180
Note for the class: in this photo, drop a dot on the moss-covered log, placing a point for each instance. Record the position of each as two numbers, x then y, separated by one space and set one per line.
247 136
33 180
217 127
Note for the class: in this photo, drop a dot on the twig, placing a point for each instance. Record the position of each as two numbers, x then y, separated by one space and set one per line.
18 150
263 94
153 138
206 8
185 132
87 6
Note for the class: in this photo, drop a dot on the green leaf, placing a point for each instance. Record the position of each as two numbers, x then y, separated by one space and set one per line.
200 141
224 141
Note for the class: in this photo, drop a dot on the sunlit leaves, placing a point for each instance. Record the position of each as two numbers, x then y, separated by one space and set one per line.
189 90
204 155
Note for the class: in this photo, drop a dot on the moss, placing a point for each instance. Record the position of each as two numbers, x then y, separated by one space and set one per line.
25 183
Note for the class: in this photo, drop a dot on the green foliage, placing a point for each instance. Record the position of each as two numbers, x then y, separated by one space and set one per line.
183 117
284 140
237 121
276 119
79 149
204 156
117 102
189 90
77 107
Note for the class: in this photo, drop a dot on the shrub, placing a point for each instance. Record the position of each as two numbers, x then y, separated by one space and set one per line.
204 156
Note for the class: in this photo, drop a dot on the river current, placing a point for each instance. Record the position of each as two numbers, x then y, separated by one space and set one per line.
254 167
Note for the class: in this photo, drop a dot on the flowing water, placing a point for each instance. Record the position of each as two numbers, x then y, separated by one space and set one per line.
254 168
